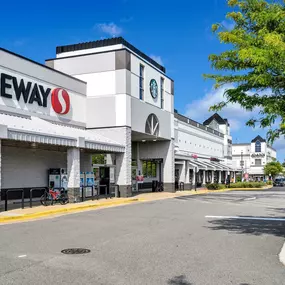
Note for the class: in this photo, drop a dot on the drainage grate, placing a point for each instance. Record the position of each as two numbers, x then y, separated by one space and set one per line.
75 251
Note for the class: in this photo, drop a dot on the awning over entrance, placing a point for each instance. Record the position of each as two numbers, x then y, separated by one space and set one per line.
203 164
197 164
37 130
209 165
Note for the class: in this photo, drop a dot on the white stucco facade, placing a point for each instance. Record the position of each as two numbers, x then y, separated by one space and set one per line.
103 97
251 158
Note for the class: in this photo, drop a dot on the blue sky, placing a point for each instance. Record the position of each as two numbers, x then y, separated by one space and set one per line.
177 34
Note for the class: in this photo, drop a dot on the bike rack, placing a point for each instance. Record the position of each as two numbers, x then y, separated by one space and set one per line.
181 185
60 189
31 194
13 190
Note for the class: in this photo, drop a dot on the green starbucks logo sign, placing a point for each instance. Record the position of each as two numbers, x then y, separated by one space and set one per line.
153 87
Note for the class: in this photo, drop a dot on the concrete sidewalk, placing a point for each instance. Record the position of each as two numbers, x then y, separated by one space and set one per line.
37 212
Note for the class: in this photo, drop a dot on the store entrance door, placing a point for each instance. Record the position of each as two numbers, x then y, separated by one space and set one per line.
104 173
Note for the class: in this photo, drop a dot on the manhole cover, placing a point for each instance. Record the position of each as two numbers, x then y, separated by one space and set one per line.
75 251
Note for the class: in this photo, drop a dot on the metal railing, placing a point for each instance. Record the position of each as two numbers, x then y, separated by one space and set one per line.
34 190
98 191
14 190
106 190
83 195
117 190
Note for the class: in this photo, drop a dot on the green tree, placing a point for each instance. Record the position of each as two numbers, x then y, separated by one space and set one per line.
254 63
98 159
273 168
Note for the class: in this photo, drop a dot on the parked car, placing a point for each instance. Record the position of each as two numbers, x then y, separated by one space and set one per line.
279 182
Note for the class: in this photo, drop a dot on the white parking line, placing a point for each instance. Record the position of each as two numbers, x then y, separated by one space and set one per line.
246 218
21 256
249 199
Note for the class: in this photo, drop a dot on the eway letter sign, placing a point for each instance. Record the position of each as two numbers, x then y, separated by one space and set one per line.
32 92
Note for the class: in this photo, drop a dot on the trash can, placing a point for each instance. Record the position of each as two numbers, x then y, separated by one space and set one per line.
154 185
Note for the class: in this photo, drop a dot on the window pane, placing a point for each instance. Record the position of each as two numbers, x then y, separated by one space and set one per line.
258 146
153 169
141 70
161 93
134 174
144 169
149 163
141 94
258 162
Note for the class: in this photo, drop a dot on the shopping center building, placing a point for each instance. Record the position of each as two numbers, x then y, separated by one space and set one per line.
251 158
102 97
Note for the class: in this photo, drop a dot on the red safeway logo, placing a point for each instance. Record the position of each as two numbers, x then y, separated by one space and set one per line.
60 101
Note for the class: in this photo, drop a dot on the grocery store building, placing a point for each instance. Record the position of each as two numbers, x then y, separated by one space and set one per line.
102 97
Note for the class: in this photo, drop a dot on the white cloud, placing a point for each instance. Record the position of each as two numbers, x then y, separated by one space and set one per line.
199 109
157 58
111 29
279 144
228 25
235 124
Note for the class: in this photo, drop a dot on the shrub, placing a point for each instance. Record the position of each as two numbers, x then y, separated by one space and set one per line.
247 185
269 182
215 186
238 179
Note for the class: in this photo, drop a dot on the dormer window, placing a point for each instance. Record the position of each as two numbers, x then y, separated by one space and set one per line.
257 146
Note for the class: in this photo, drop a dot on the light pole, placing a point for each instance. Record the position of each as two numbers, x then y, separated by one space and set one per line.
241 164
195 173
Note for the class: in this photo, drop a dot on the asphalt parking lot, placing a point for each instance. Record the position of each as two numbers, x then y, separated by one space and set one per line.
220 238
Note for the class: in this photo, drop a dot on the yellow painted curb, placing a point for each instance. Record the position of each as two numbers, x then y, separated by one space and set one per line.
66 210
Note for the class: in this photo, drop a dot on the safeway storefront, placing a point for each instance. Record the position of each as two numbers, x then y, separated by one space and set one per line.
103 97
42 126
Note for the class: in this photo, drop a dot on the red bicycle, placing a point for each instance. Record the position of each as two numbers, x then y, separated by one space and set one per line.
51 196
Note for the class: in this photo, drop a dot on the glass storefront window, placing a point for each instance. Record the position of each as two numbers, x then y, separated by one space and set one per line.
149 168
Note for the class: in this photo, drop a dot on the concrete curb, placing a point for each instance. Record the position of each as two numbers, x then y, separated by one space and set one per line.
282 255
81 208
66 210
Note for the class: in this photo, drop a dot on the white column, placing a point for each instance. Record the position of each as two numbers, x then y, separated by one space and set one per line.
204 178
212 180
220 177
109 159
187 178
194 176
73 172
234 177
124 164
182 172
168 166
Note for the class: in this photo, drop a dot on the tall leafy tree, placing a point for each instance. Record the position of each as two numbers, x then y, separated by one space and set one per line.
254 62
273 168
